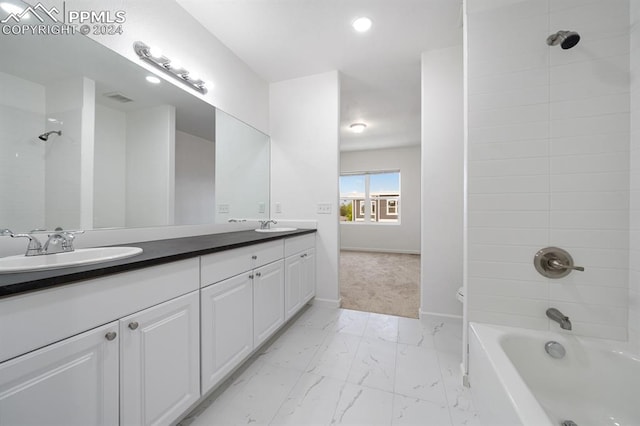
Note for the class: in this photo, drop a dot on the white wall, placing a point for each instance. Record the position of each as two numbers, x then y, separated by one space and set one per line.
548 162
634 225
22 119
110 168
396 238
150 155
69 158
195 179
304 164
442 181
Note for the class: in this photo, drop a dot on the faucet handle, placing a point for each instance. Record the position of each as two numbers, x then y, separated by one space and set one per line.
33 249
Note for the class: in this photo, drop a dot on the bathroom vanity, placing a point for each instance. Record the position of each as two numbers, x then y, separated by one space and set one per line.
139 341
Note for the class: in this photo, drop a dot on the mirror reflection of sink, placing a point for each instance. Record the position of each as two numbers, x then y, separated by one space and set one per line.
79 257
276 229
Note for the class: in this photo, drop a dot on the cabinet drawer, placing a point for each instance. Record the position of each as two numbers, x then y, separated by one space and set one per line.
298 244
219 266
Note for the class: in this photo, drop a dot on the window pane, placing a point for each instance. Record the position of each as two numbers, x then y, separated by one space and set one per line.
385 184
352 186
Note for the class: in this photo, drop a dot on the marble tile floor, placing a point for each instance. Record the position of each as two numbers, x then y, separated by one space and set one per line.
338 366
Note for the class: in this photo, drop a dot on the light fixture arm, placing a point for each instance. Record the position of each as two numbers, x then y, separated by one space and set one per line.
163 63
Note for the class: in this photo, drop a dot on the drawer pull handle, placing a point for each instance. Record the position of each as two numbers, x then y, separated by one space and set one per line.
258 274
133 325
254 257
251 276
110 335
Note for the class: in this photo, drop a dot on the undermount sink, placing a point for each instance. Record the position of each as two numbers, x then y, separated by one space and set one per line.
79 257
276 229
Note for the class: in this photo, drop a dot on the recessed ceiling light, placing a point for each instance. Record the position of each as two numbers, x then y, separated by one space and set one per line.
152 79
358 127
362 24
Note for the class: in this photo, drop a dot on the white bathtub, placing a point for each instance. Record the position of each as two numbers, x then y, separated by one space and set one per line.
515 382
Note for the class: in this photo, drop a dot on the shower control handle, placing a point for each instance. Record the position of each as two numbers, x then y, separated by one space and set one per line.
556 264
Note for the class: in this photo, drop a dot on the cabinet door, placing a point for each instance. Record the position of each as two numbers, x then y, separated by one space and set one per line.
308 284
293 267
227 327
160 362
72 382
268 301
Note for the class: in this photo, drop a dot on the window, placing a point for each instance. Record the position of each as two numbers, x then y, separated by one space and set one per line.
370 197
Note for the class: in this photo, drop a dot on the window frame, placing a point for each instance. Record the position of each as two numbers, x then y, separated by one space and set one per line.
370 213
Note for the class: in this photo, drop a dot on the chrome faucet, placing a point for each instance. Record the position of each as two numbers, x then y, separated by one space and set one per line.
265 224
58 242
560 318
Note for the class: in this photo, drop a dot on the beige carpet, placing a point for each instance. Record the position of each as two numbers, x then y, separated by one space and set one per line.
385 283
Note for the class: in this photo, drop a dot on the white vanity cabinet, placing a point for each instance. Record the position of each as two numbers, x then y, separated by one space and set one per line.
226 327
268 301
242 304
300 270
160 361
138 363
72 382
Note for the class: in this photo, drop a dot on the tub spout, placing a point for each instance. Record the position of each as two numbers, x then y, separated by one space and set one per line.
560 318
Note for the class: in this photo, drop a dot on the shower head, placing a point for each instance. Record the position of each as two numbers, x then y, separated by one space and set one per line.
45 136
566 39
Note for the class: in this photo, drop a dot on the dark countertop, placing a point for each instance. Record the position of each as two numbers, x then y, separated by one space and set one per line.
154 253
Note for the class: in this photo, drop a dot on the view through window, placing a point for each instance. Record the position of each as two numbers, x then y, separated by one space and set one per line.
370 197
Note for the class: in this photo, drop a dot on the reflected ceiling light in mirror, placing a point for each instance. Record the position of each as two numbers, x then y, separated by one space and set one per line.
358 127
14 9
362 24
152 79
163 63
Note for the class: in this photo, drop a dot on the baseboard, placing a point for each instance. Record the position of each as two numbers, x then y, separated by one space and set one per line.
379 250
424 314
326 303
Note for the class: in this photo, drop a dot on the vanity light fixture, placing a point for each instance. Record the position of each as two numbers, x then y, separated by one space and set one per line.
362 24
152 79
163 63
358 127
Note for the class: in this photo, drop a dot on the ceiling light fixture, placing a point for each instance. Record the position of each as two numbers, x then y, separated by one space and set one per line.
163 63
362 24
152 79
358 127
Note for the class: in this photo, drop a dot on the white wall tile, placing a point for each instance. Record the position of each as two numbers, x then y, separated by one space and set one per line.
599 219
509 236
549 164
508 202
504 82
591 144
511 184
513 167
511 288
589 182
590 200
592 295
509 219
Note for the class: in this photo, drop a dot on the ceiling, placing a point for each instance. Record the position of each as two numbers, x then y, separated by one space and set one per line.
380 69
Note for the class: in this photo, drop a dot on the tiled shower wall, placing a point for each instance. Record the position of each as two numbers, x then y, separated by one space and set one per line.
548 162
634 258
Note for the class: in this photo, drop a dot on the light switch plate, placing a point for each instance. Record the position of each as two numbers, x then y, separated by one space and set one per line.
324 208
278 207
261 207
223 208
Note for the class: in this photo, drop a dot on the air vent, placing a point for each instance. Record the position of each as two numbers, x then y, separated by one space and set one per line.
117 96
